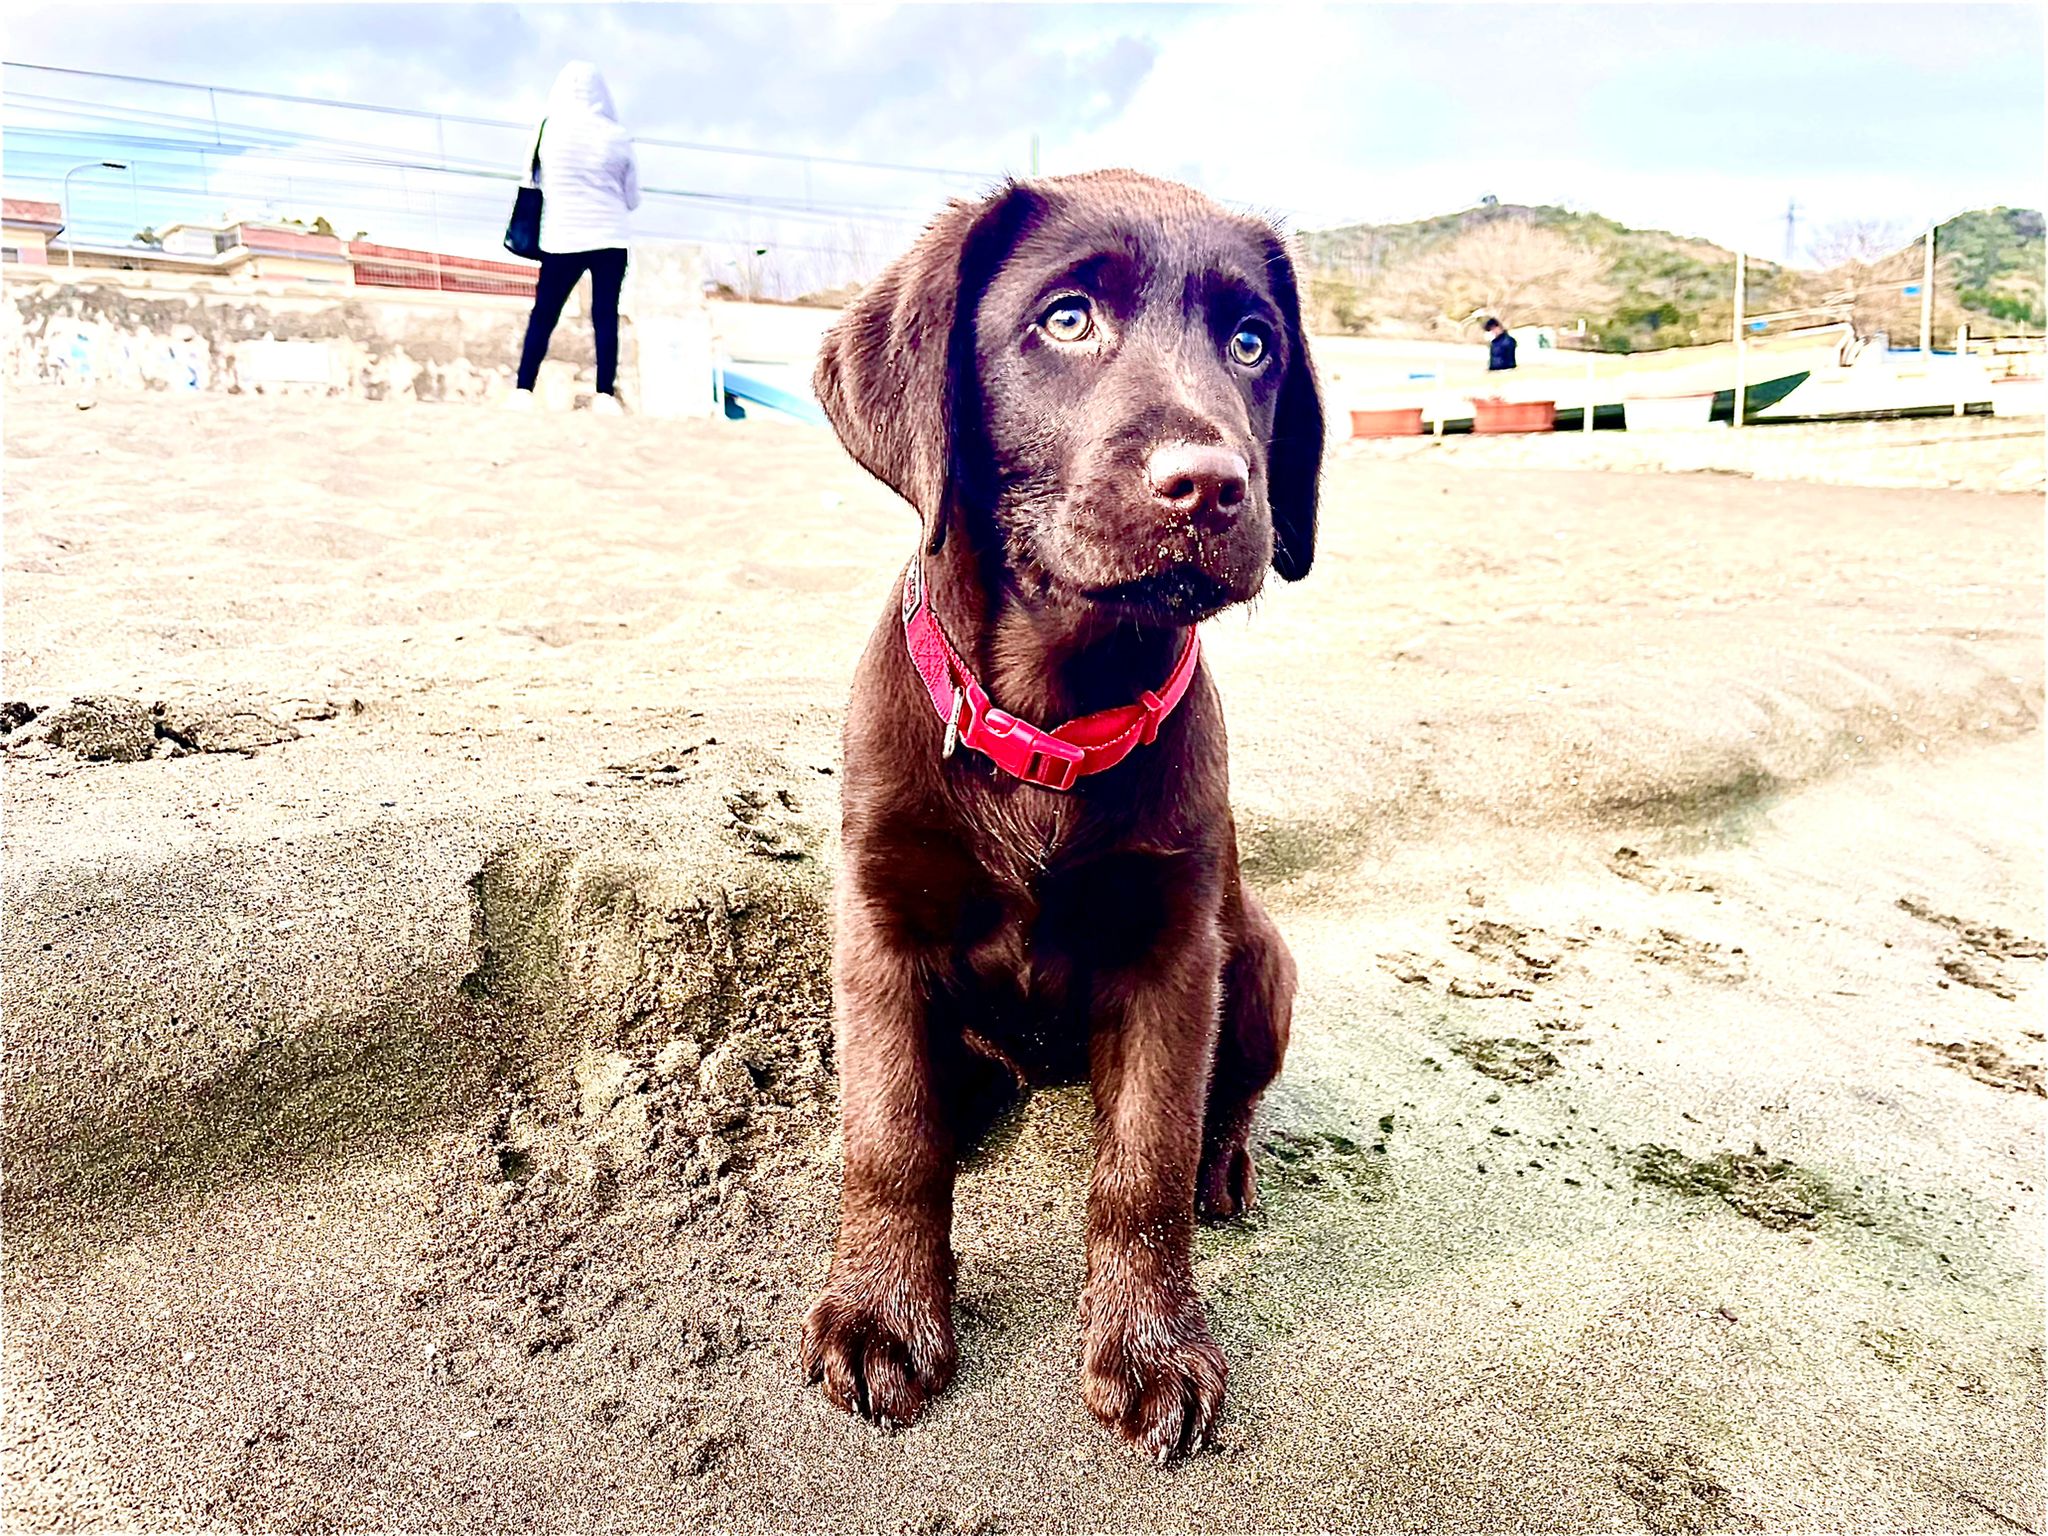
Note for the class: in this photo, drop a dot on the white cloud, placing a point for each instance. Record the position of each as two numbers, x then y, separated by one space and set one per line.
1676 118
1702 119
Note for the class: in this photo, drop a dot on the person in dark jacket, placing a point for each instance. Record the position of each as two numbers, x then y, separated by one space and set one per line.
1500 347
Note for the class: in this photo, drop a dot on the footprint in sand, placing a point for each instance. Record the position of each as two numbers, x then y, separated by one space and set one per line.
1408 969
1986 938
1631 865
1920 1361
1327 1160
1695 957
1479 986
1518 957
1988 1064
769 821
1975 962
1675 1492
1770 1191
1528 953
1508 1060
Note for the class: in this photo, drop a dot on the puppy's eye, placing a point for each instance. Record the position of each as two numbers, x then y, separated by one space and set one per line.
1249 346
1070 319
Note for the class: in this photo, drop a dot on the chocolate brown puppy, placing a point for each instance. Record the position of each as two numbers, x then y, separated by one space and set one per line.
1095 392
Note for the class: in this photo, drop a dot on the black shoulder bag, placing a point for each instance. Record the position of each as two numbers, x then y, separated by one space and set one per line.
522 231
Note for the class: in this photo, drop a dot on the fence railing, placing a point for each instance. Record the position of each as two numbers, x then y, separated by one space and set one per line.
773 222
387 266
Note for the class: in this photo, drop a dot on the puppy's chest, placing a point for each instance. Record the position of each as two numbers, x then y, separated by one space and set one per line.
1045 929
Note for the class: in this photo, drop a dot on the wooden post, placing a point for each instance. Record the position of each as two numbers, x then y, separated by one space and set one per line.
1927 302
1587 424
1741 262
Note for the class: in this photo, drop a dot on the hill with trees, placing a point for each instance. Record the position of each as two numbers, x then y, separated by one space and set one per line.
1645 289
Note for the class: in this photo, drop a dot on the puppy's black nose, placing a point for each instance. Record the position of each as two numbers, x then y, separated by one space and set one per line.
1196 480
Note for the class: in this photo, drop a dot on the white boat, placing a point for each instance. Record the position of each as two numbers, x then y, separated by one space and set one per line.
2019 394
1819 375
1881 383
1669 413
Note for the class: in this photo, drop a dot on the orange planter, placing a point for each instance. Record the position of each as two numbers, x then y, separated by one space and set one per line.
1397 423
1490 416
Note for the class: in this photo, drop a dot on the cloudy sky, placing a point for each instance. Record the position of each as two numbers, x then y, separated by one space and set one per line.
1705 119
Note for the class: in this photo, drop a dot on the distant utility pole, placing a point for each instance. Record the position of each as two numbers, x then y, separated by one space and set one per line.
1034 154
1791 230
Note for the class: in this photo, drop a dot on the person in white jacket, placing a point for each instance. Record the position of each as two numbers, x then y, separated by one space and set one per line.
588 187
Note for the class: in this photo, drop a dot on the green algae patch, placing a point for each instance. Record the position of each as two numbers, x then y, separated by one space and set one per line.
1768 1190
1321 1161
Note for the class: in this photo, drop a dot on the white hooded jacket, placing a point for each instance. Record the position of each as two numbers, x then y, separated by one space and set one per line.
587 179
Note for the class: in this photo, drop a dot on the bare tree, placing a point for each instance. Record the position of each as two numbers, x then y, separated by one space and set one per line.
1522 273
753 272
1857 242
1872 263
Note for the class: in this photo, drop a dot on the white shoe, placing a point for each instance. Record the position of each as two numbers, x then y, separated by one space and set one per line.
522 400
606 405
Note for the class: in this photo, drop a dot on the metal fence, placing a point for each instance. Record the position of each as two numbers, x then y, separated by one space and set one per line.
774 223
388 266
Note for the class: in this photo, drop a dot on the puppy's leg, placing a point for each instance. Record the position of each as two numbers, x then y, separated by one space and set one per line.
1149 1369
1258 1009
881 1335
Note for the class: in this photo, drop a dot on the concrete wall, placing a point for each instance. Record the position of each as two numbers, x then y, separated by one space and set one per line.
115 330
141 330
770 333
270 267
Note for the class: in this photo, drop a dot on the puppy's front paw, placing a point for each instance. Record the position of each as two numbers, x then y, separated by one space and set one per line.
882 1345
1149 1369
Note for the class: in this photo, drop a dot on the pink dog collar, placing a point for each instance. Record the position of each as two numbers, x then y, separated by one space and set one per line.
1052 759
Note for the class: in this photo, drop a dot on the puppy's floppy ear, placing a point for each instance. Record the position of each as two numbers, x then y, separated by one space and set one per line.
1294 465
896 373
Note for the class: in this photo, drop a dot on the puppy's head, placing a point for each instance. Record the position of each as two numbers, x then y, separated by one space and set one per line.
1106 376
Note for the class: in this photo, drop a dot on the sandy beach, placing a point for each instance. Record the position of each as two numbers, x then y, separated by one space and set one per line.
420 1108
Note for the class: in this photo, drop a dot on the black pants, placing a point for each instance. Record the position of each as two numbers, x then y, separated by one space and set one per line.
559 275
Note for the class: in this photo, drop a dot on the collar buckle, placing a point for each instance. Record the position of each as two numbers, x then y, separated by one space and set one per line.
1021 748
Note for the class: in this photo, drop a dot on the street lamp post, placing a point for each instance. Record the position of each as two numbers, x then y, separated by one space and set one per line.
70 259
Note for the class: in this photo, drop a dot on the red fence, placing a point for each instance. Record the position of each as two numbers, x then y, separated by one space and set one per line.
391 266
